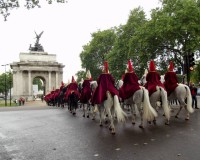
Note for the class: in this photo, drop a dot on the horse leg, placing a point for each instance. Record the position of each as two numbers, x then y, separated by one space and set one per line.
100 115
88 110
141 115
176 116
94 110
110 117
84 107
154 106
133 112
187 113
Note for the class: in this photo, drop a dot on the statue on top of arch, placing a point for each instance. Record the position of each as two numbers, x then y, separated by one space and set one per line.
37 47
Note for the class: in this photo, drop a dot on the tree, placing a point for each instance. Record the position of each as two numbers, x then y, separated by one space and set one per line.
9 82
195 75
38 81
7 5
176 31
80 75
94 53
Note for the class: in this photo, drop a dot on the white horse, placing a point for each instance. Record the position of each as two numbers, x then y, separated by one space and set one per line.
111 107
140 101
159 96
183 95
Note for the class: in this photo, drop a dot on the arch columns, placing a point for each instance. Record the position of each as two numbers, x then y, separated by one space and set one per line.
29 83
50 81
32 65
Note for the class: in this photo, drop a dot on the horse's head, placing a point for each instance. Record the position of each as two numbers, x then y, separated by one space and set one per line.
162 78
143 80
93 85
119 84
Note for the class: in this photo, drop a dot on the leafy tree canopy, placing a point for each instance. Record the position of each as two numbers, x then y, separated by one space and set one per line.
7 5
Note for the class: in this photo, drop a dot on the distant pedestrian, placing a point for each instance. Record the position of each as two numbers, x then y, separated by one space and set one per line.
193 90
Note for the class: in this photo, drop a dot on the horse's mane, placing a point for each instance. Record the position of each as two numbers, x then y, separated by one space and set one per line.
93 84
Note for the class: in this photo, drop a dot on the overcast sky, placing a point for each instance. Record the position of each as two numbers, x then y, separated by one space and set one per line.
67 27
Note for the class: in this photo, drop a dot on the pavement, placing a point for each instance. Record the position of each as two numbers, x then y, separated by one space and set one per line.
30 105
36 131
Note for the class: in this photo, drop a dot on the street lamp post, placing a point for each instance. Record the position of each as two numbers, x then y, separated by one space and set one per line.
10 86
5 85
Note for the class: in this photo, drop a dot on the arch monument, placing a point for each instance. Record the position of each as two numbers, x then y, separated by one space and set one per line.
35 64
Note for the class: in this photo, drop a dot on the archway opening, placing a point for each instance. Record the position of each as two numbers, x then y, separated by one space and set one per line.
39 87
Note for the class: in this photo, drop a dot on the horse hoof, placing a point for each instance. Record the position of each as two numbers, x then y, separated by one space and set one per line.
133 123
88 116
74 113
140 126
100 125
106 122
176 116
83 115
154 122
149 122
186 119
166 123
93 118
113 133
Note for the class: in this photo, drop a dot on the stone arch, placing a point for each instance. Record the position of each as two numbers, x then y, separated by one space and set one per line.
35 64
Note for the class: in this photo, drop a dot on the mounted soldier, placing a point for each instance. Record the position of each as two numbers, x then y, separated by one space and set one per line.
171 80
86 93
106 82
153 79
86 89
130 83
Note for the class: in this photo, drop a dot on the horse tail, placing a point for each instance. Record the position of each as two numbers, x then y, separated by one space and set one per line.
165 103
118 110
149 112
189 100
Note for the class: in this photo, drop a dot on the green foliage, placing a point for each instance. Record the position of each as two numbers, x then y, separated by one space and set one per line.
95 52
6 79
172 32
38 81
195 75
80 75
7 5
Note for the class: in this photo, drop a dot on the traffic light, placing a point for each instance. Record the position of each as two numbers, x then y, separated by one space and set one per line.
191 61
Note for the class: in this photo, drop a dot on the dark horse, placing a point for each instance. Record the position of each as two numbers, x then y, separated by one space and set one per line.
73 99
62 101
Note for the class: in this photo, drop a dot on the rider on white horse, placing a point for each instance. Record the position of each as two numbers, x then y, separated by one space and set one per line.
105 83
171 80
157 90
130 84
105 96
153 79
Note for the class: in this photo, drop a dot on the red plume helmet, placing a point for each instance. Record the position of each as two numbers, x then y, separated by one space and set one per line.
62 84
152 66
106 67
73 80
171 66
130 67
